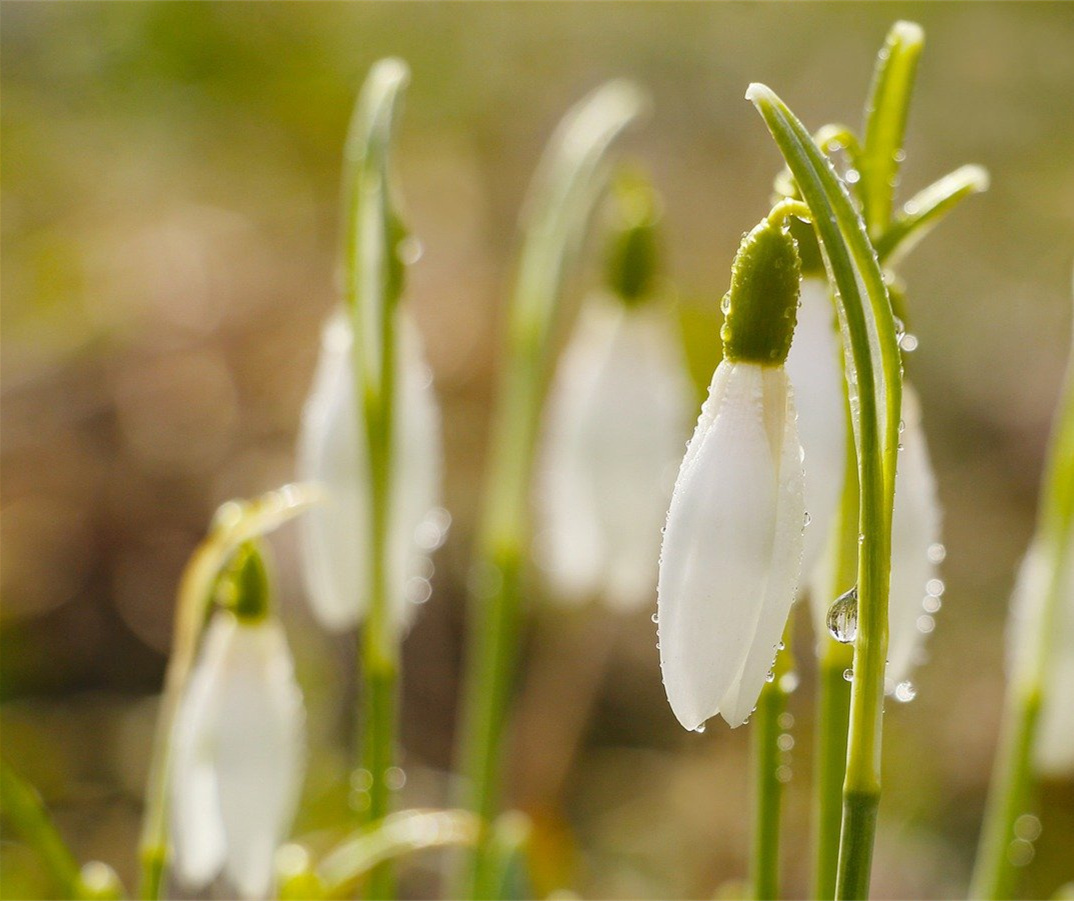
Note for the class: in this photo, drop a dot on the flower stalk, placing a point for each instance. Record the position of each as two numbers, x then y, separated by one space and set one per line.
568 183
373 276
874 377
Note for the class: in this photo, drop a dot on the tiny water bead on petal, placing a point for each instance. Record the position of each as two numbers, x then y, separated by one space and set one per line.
333 452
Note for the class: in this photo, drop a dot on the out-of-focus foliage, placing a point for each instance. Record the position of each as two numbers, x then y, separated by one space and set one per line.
169 226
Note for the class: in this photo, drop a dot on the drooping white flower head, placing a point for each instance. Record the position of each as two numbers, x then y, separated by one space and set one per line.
732 547
238 757
333 451
615 425
1053 749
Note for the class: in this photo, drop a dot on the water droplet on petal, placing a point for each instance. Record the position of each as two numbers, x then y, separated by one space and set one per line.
908 343
808 519
655 617
905 692
700 728
842 619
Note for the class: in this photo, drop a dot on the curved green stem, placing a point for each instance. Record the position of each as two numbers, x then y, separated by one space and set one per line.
874 377
1012 778
373 284
566 187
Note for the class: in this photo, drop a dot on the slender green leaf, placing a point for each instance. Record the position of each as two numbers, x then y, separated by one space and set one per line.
885 121
925 209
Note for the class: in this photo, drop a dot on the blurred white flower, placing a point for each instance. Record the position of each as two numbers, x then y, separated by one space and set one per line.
1053 749
617 417
916 550
333 452
732 548
814 367
238 756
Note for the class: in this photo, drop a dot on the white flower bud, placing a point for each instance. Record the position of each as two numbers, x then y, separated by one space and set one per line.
333 451
616 421
238 756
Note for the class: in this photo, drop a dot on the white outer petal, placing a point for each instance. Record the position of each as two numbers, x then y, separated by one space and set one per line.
814 367
915 526
260 753
616 423
200 845
333 452
238 747
722 592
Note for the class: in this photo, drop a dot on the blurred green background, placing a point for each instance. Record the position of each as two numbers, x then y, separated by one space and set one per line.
169 222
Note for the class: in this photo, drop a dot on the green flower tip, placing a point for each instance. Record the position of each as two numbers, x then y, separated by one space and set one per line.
633 251
760 309
243 587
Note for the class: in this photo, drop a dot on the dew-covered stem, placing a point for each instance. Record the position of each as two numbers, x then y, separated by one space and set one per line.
833 690
874 375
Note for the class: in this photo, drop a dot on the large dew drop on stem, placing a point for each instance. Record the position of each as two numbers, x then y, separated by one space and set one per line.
842 617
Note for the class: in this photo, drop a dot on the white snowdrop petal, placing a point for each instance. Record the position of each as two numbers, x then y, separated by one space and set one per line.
915 527
259 755
717 547
614 431
781 581
333 451
200 845
815 370
334 533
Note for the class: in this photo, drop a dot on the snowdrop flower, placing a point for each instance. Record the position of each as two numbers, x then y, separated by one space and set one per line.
1053 748
333 452
238 748
732 548
616 422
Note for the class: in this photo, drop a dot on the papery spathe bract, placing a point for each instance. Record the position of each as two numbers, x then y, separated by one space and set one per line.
1053 748
732 548
615 426
238 757
333 452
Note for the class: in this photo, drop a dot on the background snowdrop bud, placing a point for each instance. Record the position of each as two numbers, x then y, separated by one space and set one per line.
815 370
237 745
333 451
616 421
1053 749
732 547
915 533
